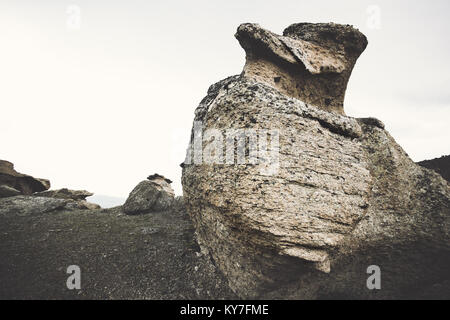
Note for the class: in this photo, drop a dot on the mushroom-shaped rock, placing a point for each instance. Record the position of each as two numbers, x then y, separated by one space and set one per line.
341 194
311 62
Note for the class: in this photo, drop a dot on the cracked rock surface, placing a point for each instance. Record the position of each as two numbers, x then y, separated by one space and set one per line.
344 195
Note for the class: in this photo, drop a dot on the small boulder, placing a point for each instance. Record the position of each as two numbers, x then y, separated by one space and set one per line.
88 205
154 194
82 205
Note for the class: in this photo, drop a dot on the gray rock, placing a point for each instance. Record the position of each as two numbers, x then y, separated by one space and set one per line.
7 191
30 205
150 195
79 197
336 196
65 194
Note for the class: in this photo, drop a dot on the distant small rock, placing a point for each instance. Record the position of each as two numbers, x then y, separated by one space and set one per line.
25 184
154 194
82 205
78 196
66 194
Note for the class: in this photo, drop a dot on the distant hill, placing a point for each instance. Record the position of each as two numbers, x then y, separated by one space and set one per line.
106 201
440 165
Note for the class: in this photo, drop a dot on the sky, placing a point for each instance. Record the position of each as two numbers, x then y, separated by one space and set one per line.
98 95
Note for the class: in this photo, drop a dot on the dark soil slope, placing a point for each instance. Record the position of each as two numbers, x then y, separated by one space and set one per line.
440 165
152 256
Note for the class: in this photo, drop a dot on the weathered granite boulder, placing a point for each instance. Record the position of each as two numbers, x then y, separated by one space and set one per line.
24 183
153 194
292 198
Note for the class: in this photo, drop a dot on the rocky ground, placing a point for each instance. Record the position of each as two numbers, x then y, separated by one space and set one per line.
151 256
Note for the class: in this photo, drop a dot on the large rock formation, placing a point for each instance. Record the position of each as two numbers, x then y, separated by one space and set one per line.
153 194
292 198
22 205
23 183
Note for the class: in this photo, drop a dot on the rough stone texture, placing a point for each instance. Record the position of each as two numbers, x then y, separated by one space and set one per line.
150 195
7 191
65 194
28 205
24 183
311 62
79 197
345 195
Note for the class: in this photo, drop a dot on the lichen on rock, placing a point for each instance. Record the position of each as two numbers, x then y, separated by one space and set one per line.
344 195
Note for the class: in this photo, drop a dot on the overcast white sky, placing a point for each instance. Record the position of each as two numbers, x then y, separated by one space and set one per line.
103 106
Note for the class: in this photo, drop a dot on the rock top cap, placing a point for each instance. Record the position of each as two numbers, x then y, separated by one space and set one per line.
310 61
157 176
